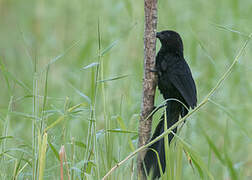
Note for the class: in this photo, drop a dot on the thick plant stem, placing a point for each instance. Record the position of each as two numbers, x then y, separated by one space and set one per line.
149 81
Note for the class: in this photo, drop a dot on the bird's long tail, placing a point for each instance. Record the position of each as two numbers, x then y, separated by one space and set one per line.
173 110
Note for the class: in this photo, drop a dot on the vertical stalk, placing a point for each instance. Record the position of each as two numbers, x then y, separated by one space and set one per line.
92 124
6 126
149 81
106 119
34 124
167 150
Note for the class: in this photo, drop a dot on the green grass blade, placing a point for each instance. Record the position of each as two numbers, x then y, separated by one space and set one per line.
214 148
122 131
114 78
109 48
42 156
55 152
82 94
90 65
179 166
169 170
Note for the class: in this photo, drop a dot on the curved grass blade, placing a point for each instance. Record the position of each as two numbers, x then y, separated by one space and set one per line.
114 78
122 131
55 152
90 65
109 47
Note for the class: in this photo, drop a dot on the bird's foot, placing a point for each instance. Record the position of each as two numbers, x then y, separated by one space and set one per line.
152 70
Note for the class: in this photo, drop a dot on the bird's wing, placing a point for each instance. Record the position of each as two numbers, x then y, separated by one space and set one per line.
181 77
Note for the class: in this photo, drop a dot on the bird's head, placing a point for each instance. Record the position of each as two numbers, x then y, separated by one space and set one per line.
171 41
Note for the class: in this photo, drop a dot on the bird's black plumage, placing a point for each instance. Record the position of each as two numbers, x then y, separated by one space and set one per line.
175 81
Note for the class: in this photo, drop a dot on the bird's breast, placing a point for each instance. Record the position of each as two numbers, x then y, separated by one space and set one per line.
167 89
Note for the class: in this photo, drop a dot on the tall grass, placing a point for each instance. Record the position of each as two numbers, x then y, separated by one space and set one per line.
69 79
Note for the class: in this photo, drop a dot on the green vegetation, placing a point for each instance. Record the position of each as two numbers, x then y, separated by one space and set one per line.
74 70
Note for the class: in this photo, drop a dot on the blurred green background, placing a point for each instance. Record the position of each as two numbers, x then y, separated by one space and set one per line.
102 129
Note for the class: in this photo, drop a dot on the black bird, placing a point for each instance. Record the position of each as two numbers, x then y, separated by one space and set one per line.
175 81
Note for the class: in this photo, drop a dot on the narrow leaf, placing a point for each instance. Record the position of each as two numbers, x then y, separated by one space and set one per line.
90 65
82 94
42 157
122 131
114 78
55 152
109 47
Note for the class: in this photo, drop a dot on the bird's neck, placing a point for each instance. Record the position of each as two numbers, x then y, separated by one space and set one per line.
166 50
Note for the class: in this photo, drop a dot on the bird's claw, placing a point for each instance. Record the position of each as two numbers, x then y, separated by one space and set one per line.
152 70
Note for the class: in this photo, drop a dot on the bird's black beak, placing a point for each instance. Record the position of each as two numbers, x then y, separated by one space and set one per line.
158 34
